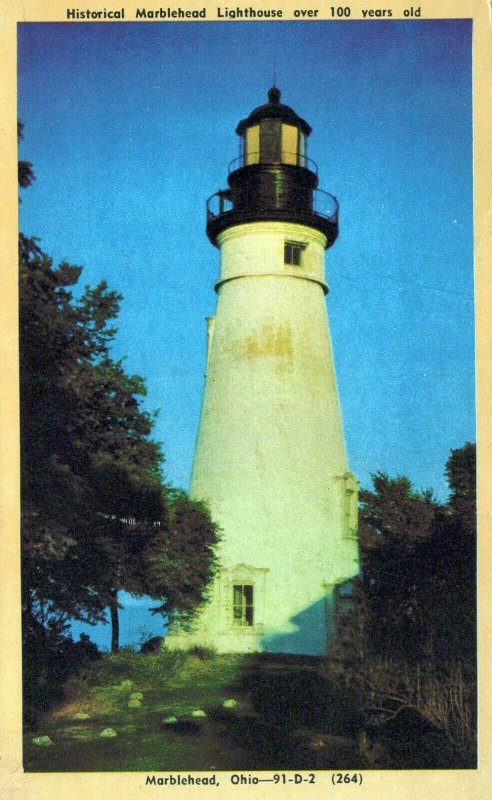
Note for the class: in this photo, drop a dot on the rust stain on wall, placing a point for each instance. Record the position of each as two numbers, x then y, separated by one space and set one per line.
269 341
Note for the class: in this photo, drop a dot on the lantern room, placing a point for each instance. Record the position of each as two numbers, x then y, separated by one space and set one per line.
273 134
273 179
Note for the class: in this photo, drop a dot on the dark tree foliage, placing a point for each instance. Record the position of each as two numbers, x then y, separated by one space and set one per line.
96 515
26 174
417 595
450 562
394 522
189 556
461 472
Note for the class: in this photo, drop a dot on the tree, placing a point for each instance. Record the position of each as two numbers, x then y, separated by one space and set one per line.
190 558
408 627
461 474
56 507
394 522
25 170
450 559
419 565
96 514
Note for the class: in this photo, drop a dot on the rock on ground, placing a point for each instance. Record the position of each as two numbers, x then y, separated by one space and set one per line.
108 733
42 741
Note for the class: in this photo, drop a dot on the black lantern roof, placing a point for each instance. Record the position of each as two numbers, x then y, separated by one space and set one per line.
274 109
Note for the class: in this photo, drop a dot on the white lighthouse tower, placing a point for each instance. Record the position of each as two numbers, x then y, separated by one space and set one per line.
270 457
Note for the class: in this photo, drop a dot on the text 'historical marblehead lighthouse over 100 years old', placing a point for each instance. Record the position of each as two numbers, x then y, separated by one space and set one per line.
270 457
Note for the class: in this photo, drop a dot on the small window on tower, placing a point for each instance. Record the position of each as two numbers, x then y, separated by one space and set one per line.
293 253
242 612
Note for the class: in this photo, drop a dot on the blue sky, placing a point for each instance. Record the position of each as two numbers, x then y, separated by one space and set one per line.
130 128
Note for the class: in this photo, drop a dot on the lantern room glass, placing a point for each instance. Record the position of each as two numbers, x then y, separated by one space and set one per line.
273 142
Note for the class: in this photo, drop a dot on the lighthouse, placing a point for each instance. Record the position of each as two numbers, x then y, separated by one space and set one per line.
270 457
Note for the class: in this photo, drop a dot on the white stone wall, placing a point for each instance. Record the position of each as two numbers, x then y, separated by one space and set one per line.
270 457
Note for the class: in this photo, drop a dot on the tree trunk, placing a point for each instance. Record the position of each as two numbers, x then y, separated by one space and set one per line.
115 623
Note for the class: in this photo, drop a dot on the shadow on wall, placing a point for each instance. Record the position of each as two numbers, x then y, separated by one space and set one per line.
315 630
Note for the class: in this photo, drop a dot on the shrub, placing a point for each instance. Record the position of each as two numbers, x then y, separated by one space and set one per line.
442 697
49 658
203 653
152 645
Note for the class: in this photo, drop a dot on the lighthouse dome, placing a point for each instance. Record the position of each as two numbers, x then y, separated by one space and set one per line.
274 109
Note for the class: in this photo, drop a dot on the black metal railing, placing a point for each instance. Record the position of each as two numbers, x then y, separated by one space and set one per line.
324 204
218 204
285 158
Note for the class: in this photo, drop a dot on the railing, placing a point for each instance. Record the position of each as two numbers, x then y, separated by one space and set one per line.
287 158
324 204
218 204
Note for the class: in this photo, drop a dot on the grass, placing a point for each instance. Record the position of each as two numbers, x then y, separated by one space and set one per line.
287 714
172 685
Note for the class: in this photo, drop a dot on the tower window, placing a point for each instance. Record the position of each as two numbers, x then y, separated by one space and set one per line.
293 253
242 612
